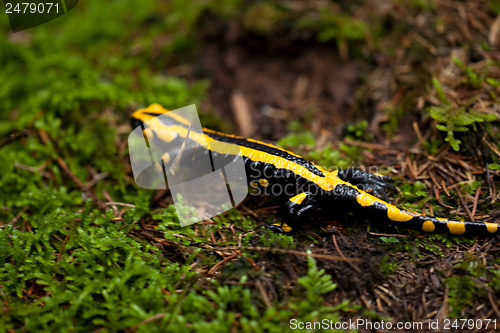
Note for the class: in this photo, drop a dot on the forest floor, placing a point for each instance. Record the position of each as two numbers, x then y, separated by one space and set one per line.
408 89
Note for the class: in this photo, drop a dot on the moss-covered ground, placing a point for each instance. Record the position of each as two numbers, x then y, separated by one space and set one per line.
407 88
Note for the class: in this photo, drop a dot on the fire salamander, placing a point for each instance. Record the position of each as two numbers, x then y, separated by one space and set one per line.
274 170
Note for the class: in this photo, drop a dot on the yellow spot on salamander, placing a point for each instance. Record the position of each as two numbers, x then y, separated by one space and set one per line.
456 228
492 227
365 200
393 212
285 227
299 198
428 226
398 215
254 184
263 182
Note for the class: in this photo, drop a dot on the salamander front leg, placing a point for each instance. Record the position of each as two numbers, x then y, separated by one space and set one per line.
369 182
296 210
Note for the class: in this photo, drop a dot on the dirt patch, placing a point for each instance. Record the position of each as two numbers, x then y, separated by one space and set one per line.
281 80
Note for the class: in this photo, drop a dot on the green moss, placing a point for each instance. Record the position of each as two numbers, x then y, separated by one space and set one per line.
451 118
394 114
495 280
332 25
413 195
423 4
297 139
274 240
358 131
301 141
262 18
387 266
494 166
68 263
461 289
329 158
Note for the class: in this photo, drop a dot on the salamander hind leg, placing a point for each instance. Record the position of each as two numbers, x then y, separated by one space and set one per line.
295 210
369 182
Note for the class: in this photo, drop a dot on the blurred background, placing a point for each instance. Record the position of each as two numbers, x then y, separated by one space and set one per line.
408 86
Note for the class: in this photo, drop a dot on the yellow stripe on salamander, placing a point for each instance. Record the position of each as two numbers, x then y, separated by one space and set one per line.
167 132
393 212
285 227
298 198
250 140
160 110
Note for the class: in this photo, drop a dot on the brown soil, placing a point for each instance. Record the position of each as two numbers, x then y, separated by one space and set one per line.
305 80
